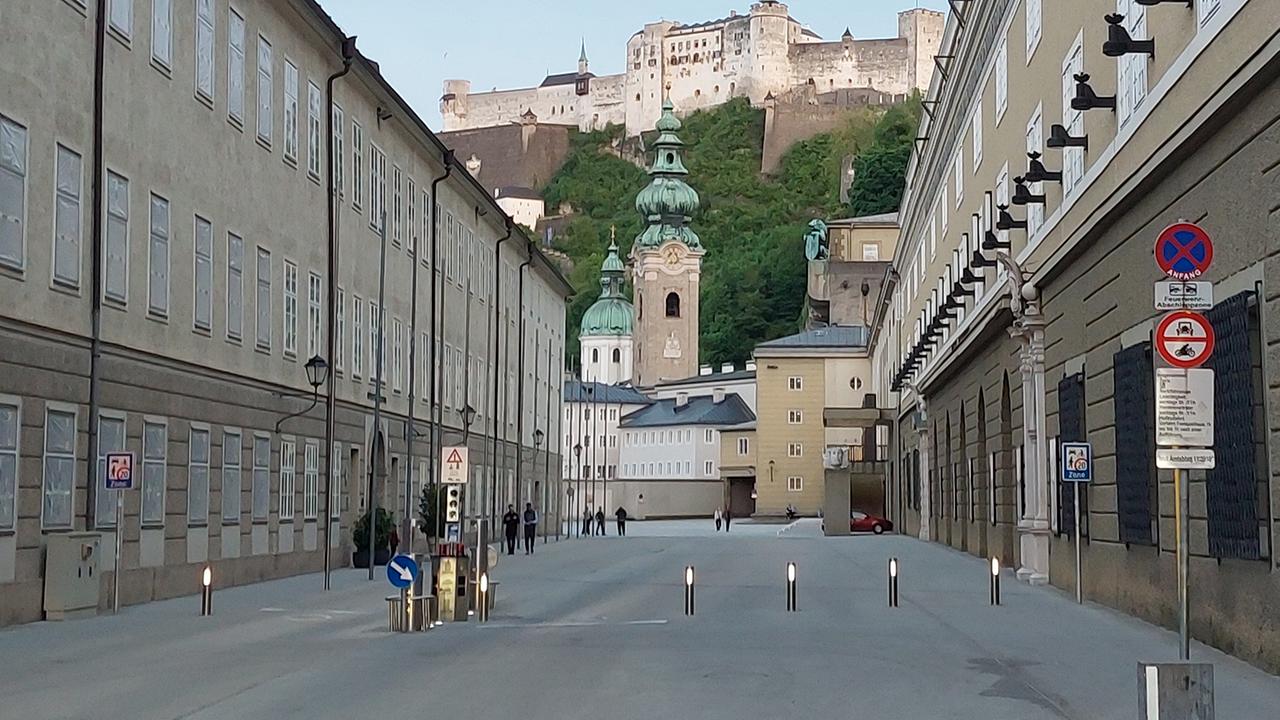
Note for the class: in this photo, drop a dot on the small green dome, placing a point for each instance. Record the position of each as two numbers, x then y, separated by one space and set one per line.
667 203
611 314
668 122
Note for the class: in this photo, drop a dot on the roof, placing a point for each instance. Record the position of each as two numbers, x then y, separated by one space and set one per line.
890 218
703 410
832 336
568 78
576 391
515 191
711 379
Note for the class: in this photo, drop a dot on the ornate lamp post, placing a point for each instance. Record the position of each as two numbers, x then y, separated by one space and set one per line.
538 436
577 455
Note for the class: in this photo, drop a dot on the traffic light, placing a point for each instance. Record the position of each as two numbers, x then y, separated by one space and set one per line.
453 504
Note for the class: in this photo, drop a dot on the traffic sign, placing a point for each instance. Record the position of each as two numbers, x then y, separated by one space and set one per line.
119 471
453 462
453 504
1184 339
1184 251
1179 295
1184 407
401 571
1185 459
1077 462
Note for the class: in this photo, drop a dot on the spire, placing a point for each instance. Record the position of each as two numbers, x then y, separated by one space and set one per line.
582 58
668 203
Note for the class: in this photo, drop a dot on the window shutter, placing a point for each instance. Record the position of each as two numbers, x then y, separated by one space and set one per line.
1135 429
1071 428
1232 487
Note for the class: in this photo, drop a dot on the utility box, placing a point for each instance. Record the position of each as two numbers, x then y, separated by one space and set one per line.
71 575
1175 691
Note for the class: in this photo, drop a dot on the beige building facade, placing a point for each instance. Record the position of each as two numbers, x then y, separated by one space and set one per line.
213 286
1018 315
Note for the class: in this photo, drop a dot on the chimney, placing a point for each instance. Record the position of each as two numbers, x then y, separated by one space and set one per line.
704 370
717 395
682 399
726 367
751 365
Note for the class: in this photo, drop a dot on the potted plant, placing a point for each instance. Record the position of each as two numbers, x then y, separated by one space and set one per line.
430 519
381 539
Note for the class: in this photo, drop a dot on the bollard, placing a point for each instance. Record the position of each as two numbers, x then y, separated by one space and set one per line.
206 592
688 590
791 587
893 582
995 581
482 601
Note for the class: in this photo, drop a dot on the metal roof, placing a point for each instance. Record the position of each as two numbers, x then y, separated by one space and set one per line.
710 378
577 391
568 78
702 410
832 336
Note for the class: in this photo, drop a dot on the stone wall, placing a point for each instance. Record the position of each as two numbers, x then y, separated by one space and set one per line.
801 114
521 155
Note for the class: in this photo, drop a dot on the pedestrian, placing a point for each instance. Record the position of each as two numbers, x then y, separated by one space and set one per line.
719 519
728 518
600 521
586 522
530 527
510 523
394 540
621 514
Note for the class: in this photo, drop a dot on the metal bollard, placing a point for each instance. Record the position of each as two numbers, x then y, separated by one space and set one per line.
206 592
791 587
482 601
995 581
893 582
688 590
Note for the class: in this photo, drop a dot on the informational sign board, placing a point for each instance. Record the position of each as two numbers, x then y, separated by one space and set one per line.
1184 407
401 571
1184 251
454 465
1184 339
1185 459
1179 295
1077 462
119 471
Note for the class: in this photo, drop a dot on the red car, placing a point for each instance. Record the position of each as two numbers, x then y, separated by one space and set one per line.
862 522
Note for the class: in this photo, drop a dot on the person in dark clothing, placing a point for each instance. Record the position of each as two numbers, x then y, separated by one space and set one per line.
728 518
393 540
586 522
621 514
510 524
530 527
600 521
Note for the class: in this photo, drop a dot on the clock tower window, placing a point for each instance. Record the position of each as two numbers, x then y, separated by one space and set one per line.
673 305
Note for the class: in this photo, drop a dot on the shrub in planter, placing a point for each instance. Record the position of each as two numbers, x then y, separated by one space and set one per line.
382 528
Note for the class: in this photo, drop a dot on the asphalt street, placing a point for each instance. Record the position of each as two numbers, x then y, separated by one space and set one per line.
594 629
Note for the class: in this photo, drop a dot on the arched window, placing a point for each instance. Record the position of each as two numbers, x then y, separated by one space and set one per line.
673 305
595 355
617 355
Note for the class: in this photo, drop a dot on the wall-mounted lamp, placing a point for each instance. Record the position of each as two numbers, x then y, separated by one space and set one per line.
1022 194
1060 138
1087 99
1036 171
1005 221
1150 3
1119 43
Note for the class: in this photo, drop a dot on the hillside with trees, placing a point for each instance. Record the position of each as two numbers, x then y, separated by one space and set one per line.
753 279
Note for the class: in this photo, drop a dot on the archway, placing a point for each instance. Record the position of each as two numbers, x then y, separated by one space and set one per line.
985 488
1007 508
948 484
673 305
963 480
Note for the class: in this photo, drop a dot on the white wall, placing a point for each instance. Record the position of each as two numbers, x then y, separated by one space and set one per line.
597 362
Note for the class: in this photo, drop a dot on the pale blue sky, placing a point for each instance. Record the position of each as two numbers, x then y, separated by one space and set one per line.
508 44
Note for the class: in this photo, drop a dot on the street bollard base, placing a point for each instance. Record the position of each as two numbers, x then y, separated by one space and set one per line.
1175 691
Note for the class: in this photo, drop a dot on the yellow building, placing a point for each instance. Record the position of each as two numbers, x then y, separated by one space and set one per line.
800 378
738 468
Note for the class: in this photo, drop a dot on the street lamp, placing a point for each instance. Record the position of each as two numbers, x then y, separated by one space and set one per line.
577 455
538 436
317 375
468 415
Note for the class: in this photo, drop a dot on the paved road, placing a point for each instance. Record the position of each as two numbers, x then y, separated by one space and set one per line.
593 629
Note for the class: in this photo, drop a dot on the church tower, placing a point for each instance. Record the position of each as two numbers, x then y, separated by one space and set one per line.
667 265
605 333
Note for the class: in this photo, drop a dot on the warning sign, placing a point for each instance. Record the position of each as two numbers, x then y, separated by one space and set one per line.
1184 407
453 465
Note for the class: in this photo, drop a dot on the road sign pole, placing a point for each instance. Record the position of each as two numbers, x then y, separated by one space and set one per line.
1079 572
1184 567
115 593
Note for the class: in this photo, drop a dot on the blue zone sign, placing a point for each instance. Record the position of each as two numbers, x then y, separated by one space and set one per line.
1077 462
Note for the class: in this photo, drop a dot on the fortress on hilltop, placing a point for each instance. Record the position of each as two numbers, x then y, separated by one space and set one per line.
702 65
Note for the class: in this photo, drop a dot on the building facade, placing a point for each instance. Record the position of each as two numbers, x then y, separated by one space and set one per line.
1019 316
592 449
709 381
845 274
701 65
175 321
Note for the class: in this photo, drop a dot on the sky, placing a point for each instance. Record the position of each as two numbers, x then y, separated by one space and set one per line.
514 43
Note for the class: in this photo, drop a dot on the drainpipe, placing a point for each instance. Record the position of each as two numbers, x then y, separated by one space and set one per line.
437 327
330 400
520 378
496 353
95 312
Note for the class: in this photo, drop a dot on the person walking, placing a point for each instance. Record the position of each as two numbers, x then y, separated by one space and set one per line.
621 514
719 519
586 522
393 540
600 521
510 523
728 518
530 527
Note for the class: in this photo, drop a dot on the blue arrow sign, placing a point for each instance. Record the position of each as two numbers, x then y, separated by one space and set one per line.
401 571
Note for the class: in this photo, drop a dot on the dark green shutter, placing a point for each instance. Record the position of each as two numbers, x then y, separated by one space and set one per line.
1231 488
1135 453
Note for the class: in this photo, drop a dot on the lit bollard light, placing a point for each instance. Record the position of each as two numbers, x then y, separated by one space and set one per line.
206 592
482 602
688 590
893 582
791 587
995 581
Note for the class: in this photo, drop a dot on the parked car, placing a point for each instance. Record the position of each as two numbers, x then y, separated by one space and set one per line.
862 522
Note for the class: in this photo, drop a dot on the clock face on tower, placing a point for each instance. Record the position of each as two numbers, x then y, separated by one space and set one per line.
672 255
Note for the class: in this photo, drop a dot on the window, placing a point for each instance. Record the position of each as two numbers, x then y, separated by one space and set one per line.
944 208
673 305
261 491
290 308
231 477
110 439
158 259
204 274
743 446
709 435
120 16
314 114
959 177
397 354
1035 143
446 379
59 467
162 32
357 180
708 468
795 417
335 481
795 450
426 221
357 336
340 322
263 300
1033 27
235 64
315 332
795 383
795 483
311 481
116 286
376 350
1072 120
397 226
155 441
264 91
67 227
290 112
1131 69
377 188
198 478
976 132
288 461
613 441
1002 79
9 422
339 147
411 202
1205 10
235 286
870 251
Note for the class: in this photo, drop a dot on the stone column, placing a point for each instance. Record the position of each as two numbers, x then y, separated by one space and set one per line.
926 487
1033 525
